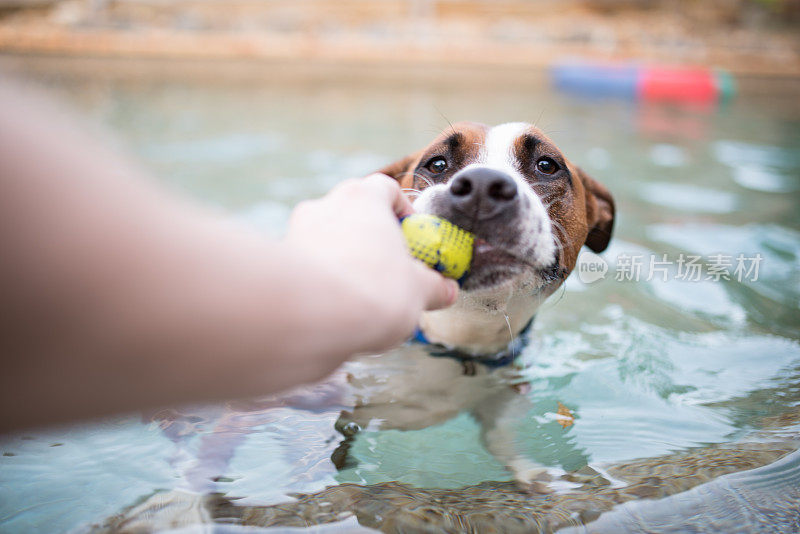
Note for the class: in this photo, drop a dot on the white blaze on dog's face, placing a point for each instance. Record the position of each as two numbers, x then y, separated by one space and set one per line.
530 209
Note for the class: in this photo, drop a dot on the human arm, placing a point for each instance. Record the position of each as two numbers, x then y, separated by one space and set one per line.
117 295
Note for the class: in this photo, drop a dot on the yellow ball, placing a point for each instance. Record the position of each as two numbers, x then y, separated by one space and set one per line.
439 243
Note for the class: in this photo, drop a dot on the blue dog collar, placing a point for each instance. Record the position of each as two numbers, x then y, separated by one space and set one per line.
501 359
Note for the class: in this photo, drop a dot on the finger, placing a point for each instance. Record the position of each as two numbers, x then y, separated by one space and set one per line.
389 186
438 291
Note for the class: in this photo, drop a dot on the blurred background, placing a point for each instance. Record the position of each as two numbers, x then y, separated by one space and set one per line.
744 35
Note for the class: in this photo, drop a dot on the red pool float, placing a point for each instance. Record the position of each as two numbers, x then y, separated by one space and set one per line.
643 82
678 84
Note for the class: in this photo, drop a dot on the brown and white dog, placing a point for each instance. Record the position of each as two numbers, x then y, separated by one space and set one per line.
531 210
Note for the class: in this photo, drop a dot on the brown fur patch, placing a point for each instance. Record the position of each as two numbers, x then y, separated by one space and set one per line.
460 144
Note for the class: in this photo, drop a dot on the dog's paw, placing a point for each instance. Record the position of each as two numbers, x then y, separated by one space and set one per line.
169 510
531 477
587 476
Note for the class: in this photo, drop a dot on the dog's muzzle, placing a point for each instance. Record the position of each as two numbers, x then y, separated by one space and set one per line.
482 193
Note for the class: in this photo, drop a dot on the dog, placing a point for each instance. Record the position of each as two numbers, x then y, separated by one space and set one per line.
531 210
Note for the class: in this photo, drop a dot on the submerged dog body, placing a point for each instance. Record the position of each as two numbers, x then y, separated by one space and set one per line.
531 210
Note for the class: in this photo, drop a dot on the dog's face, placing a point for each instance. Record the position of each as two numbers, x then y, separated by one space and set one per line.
529 207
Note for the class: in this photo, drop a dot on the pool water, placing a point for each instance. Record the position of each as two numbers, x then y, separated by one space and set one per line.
622 369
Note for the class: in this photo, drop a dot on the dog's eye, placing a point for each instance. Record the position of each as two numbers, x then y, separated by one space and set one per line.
546 166
437 165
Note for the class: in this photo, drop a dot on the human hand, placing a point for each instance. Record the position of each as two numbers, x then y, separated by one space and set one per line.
354 232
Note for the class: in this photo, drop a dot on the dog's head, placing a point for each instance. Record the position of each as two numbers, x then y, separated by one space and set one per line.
530 209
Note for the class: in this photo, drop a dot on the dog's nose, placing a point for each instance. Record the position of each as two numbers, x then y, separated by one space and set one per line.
482 192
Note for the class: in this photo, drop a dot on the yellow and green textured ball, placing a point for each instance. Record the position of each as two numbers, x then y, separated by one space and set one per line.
439 243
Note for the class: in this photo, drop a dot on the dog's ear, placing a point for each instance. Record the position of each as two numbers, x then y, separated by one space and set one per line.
599 212
402 170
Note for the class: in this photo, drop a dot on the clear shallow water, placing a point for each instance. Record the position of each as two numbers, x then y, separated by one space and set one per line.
646 368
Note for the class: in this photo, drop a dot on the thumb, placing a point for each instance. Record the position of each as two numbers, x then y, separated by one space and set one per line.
437 291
